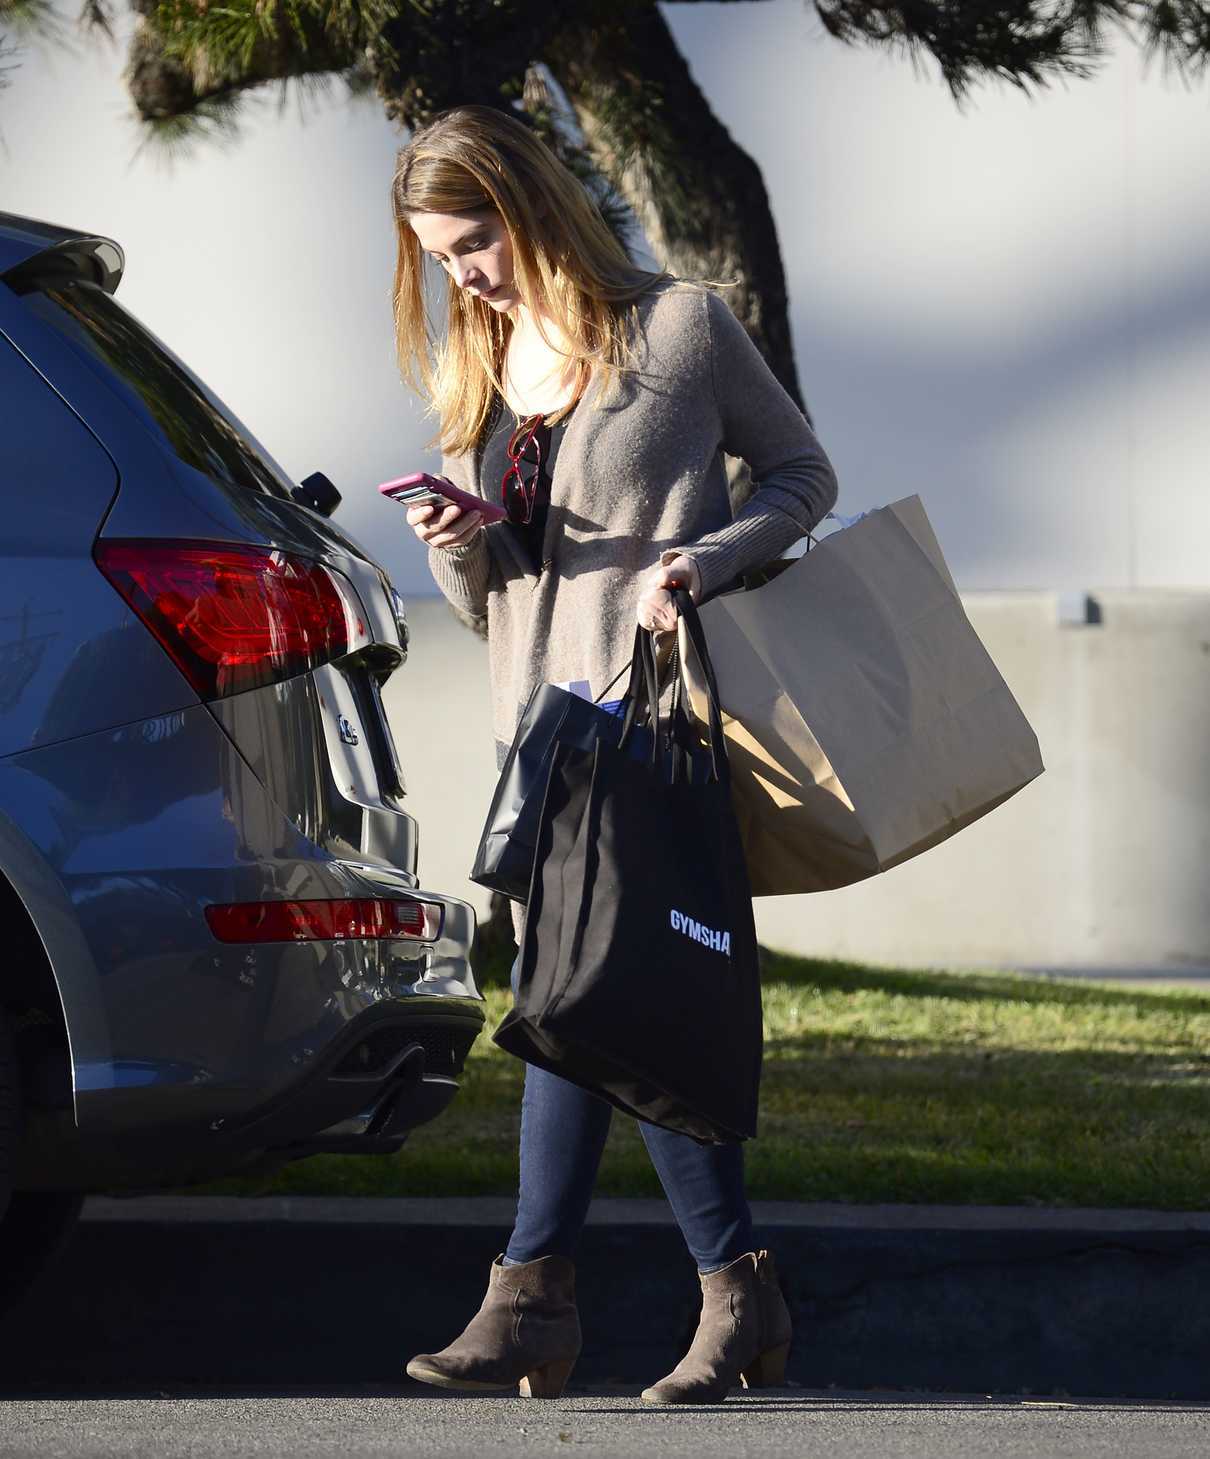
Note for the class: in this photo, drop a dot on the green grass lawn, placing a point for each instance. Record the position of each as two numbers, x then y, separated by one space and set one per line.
884 1085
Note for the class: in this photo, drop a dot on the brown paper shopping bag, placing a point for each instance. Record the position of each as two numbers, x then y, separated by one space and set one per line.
865 721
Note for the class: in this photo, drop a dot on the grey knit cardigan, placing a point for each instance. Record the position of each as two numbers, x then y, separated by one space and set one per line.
639 477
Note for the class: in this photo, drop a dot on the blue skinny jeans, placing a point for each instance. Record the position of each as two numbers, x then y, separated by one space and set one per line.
563 1130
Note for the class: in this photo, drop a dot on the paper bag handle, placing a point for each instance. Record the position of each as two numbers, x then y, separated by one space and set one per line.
687 610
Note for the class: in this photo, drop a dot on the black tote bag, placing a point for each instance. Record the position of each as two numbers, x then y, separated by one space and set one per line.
638 977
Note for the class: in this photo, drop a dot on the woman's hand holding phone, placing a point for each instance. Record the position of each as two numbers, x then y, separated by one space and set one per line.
440 513
445 527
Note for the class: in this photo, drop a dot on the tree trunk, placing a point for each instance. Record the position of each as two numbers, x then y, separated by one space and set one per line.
699 197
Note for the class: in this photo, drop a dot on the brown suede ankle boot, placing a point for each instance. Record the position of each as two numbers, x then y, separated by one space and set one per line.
526 1334
743 1335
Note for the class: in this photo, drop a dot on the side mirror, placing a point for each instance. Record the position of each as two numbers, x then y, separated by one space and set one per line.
318 493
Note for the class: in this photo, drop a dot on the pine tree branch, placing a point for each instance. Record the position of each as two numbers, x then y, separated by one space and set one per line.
22 21
1020 41
1177 30
189 58
29 18
98 16
421 56
1024 42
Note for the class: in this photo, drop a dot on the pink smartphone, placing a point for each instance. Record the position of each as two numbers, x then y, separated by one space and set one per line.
421 489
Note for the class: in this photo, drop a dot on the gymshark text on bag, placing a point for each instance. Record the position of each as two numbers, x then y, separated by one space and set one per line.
707 936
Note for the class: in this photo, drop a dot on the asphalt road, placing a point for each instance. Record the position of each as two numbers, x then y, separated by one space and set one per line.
600 1424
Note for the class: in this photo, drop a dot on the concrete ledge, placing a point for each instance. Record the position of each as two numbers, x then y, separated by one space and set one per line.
261 1293
499 1211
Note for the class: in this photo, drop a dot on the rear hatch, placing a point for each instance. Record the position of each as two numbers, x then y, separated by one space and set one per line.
205 527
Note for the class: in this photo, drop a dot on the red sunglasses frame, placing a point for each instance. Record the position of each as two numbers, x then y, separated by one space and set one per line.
519 442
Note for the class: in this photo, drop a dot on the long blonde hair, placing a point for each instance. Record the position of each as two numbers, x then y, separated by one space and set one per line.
564 256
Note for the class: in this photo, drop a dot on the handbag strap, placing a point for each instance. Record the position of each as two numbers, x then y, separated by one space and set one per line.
642 700
643 694
624 669
680 731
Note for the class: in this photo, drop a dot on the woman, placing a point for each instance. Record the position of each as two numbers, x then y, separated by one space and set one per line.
595 400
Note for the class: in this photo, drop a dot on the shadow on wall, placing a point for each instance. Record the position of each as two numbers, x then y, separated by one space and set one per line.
1020 499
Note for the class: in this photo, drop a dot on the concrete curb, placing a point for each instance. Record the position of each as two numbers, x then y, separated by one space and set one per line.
301 1291
611 1211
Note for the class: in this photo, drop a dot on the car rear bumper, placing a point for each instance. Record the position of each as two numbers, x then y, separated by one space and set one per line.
390 1071
393 1069
187 1054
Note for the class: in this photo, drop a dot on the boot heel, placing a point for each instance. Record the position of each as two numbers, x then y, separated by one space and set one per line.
768 1370
547 1382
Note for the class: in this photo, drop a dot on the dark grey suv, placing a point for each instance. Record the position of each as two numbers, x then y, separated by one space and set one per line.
217 947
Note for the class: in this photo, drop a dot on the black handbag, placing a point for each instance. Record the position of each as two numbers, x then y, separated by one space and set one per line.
504 858
638 977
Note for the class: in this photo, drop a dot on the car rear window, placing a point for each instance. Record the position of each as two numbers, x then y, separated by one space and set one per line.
192 422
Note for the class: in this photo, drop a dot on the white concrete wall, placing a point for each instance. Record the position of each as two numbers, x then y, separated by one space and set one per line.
1102 862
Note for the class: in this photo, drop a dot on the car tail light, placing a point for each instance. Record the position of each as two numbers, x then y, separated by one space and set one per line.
234 617
324 921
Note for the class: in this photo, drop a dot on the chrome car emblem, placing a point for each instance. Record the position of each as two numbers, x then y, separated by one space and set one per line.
347 733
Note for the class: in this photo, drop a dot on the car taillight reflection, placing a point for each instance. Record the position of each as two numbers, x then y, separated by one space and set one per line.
322 921
233 617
